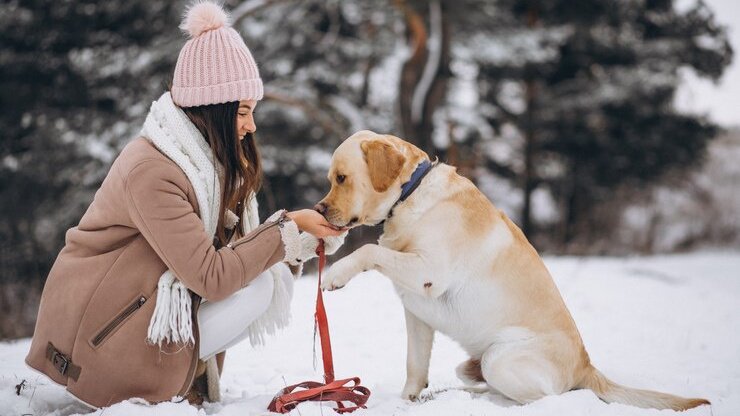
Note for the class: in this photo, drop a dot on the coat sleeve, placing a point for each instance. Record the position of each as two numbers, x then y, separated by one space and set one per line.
157 202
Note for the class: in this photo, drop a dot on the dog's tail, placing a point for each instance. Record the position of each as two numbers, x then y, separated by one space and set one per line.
610 391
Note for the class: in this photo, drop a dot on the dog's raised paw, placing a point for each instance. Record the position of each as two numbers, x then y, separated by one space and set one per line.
330 286
338 275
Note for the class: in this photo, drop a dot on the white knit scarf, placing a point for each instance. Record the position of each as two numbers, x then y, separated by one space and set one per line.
170 130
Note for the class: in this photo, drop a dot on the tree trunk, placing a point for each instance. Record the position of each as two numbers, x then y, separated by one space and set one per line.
529 154
437 93
569 207
411 69
424 75
530 143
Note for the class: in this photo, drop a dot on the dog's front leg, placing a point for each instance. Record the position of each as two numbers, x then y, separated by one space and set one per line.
424 276
420 337
407 270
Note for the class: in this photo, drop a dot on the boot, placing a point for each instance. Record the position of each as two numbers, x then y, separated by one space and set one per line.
198 392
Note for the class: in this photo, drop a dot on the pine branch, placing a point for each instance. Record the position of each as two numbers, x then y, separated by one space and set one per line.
250 8
311 110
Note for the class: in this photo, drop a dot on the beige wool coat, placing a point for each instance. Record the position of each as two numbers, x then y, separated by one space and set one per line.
99 296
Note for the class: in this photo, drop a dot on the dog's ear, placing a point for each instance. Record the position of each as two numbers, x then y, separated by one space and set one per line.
384 163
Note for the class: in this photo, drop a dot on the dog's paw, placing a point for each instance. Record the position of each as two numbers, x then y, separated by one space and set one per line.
412 390
339 275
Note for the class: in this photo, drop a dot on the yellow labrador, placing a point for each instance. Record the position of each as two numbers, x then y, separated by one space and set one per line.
463 268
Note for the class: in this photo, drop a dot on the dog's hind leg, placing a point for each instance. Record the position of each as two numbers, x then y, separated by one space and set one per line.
420 337
521 370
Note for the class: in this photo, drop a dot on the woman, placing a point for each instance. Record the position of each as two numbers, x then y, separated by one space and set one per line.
175 224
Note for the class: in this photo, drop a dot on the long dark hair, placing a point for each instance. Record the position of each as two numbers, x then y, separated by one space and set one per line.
239 158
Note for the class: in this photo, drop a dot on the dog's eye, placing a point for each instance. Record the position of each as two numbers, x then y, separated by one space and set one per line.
341 178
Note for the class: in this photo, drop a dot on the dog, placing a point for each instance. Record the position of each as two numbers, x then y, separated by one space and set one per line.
463 268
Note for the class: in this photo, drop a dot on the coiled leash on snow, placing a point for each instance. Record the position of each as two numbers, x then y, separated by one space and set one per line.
338 391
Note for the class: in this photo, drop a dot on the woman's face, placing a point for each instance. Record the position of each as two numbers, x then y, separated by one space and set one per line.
245 118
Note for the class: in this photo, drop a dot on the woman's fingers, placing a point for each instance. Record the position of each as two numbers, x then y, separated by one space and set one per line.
332 231
327 224
314 223
321 231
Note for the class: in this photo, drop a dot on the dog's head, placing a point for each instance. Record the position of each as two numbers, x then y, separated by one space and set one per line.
366 174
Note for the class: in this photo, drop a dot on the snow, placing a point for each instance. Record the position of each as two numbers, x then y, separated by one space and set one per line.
669 323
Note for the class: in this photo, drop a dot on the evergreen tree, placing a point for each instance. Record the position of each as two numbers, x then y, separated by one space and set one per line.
587 88
72 77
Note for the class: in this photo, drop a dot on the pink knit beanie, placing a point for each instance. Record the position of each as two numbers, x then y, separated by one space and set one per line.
215 65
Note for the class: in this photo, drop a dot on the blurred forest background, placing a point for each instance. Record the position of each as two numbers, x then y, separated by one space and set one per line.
561 111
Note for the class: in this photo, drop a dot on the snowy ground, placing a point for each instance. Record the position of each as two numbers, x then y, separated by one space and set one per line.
666 323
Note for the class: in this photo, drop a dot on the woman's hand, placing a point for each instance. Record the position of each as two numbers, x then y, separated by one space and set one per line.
314 223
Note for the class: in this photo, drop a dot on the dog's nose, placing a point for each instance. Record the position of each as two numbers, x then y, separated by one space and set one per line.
320 208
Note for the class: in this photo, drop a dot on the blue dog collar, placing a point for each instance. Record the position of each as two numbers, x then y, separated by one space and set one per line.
409 187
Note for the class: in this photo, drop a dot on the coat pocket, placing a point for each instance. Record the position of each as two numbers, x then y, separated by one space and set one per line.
116 322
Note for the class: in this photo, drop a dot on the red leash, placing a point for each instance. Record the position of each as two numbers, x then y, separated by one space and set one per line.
338 391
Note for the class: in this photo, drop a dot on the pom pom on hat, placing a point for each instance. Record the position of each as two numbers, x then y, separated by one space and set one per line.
214 65
202 17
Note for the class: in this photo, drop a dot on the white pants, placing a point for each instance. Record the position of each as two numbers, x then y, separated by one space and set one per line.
224 323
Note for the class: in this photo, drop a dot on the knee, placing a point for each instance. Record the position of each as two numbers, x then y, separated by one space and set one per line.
259 291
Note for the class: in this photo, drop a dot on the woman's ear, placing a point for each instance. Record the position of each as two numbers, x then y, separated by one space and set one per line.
384 163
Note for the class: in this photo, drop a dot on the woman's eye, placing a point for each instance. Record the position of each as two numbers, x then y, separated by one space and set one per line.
340 178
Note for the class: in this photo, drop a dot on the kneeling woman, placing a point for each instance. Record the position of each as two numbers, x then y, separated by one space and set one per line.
169 266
